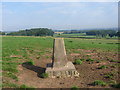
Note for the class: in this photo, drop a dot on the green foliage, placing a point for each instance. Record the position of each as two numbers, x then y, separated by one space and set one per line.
70 41
75 51
102 67
11 75
13 85
82 59
2 33
115 65
10 85
90 60
47 57
99 82
10 69
98 33
33 32
118 33
30 63
98 61
23 86
112 82
75 88
109 75
77 61
113 60
44 75
116 85
102 33
38 57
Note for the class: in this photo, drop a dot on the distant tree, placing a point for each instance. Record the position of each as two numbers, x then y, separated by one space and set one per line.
2 33
102 33
118 34
34 32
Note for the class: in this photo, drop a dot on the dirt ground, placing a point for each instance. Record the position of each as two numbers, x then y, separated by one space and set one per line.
89 72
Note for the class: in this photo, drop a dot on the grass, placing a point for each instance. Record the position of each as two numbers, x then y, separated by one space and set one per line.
13 85
98 61
112 82
10 85
38 57
116 85
30 63
19 49
113 60
8 66
23 86
44 75
115 65
109 75
74 88
77 61
75 51
90 60
11 75
99 82
102 67
89 45
82 59
26 87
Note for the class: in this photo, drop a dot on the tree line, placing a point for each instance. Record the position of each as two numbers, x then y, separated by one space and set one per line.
101 33
33 32
50 32
2 33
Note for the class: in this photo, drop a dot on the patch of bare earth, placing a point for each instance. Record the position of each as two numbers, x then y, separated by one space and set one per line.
75 54
89 72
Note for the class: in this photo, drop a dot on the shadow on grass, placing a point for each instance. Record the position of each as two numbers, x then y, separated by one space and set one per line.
38 70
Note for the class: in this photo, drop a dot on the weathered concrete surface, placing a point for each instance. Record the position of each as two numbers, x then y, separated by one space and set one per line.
60 67
66 71
59 53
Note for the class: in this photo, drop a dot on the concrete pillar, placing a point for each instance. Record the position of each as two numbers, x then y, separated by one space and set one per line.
59 53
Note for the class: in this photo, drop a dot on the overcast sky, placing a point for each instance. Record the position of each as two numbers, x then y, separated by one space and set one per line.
59 15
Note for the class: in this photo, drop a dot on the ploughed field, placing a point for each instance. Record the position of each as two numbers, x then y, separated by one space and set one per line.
24 60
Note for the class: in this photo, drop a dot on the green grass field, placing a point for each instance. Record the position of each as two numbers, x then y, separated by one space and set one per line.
15 49
102 44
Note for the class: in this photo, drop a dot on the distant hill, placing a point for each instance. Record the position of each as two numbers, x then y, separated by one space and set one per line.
116 29
33 32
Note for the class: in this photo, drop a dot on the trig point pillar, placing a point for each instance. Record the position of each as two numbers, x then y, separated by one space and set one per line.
60 66
59 53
